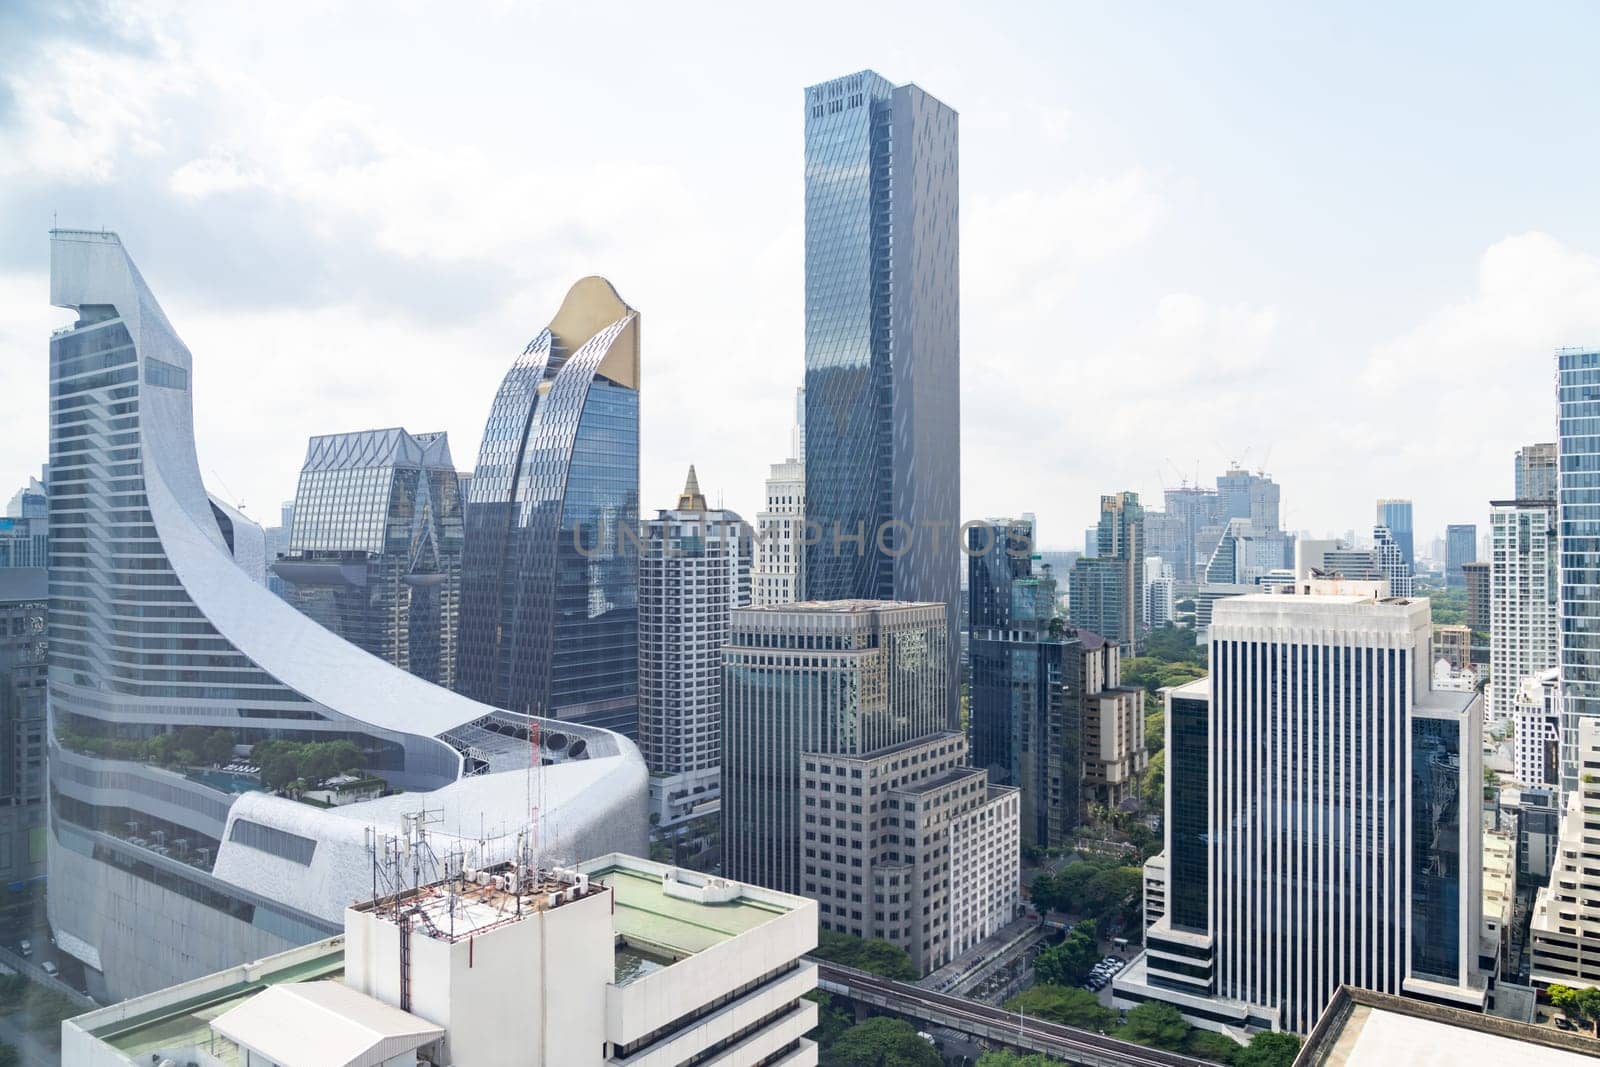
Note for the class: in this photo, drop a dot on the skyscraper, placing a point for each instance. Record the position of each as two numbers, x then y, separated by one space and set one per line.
1477 575
882 346
1522 599
1578 533
1195 509
374 548
1395 516
166 657
1108 590
780 553
24 593
694 571
1537 472
25 526
549 619
1461 547
1323 817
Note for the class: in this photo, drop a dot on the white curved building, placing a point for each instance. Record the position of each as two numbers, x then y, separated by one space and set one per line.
159 875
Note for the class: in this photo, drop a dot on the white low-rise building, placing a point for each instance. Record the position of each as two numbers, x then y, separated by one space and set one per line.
1536 739
618 960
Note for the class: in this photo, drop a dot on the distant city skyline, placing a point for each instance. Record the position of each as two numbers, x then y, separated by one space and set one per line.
1138 252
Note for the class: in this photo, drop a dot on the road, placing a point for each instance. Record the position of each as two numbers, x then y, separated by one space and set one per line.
994 1024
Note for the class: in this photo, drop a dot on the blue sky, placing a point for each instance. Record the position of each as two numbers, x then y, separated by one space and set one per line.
1337 243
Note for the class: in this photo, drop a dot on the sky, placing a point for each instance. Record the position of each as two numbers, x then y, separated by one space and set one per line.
1337 245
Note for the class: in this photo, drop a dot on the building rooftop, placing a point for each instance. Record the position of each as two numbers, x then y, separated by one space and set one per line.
1360 1028
323 1024
669 914
837 607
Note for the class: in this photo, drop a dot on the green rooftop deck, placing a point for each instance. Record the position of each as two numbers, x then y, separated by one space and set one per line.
188 1022
648 918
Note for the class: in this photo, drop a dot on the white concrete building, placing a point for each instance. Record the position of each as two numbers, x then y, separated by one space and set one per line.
1564 932
694 570
1536 740
1158 592
1522 598
1324 818
1155 888
780 553
619 960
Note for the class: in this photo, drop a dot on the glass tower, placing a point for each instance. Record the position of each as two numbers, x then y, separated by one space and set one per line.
375 546
1578 538
1396 516
550 569
882 344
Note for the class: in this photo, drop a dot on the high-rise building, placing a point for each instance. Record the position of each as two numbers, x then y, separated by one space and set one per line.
1394 515
1461 548
1564 931
1107 593
25 526
24 602
882 347
780 553
1480 582
1194 509
1242 495
277 544
1578 506
823 677
1392 562
1536 741
163 868
617 960
549 619
1522 596
942 879
1537 471
374 548
1453 644
694 572
1158 592
1323 817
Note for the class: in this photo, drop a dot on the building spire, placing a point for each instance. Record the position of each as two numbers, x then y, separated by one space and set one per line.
691 499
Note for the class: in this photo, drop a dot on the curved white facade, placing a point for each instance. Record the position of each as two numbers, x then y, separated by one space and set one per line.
156 625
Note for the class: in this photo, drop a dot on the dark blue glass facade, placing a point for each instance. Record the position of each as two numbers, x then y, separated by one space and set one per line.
1188 782
550 566
1578 500
1436 849
882 306
1396 515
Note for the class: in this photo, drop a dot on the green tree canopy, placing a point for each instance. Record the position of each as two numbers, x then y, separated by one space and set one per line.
1067 1005
1269 1049
1157 1025
875 956
882 1042
1209 1045
1070 962
1007 1058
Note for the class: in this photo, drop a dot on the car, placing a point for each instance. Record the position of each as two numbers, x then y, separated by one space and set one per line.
51 969
1563 1023
25 947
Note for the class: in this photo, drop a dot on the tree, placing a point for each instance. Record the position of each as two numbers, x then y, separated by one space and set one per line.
1070 962
9 1056
1157 1025
1589 1004
1269 1049
218 748
1208 1045
1153 783
1007 1058
832 1020
882 1042
875 957
1067 1005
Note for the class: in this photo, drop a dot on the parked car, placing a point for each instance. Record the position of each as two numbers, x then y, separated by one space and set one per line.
1562 1023
25 947
51 969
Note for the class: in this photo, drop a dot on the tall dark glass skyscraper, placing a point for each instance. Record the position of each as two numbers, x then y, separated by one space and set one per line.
1396 515
883 417
550 569
1460 548
1578 536
375 546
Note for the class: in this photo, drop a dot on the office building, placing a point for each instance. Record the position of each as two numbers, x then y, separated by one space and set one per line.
1536 737
24 603
1522 599
1195 509
910 845
1159 594
163 868
374 548
1461 547
1154 893
1564 931
1578 504
277 545
1537 472
1362 872
1108 589
1243 495
882 347
1538 820
1453 644
1479 580
1390 557
780 552
618 960
550 569
694 572
1394 515
25 526
845 678
1167 536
